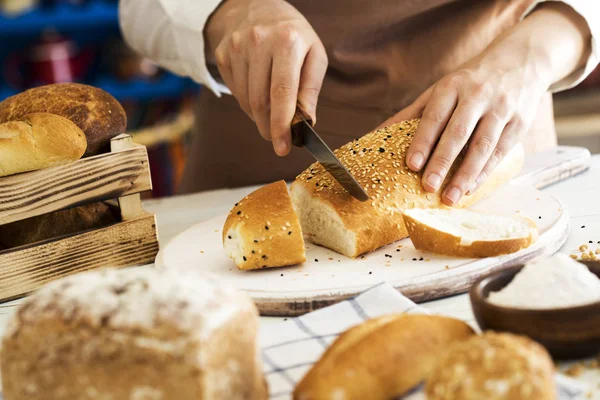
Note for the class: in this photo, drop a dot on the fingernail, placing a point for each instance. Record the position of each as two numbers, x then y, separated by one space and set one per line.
453 194
281 147
479 181
417 160
434 180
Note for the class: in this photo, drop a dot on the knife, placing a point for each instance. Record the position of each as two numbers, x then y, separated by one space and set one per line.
303 135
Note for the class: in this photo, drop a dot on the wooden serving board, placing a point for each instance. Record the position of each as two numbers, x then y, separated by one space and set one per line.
328 277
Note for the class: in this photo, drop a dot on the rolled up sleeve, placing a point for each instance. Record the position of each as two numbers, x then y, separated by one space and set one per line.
590 11
171 33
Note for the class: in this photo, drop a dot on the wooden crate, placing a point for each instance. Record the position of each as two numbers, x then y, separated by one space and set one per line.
122 174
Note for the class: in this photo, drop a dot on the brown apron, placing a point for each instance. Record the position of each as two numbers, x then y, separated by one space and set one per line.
382 55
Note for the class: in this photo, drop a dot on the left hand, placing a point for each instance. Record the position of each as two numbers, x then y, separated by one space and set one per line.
485 104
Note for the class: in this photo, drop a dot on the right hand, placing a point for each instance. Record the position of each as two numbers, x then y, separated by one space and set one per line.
270 58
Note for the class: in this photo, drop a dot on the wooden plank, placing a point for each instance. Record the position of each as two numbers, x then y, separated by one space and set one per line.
128 243
88 180
131 206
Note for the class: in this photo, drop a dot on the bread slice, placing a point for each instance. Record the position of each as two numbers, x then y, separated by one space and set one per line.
263 230
467 233
37 141
332 218
98 114
382 358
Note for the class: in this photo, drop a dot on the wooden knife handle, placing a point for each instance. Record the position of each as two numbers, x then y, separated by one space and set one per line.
297 128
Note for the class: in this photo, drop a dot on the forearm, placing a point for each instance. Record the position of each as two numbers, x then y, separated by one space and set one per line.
551 43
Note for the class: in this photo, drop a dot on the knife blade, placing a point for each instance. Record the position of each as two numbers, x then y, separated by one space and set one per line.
304 135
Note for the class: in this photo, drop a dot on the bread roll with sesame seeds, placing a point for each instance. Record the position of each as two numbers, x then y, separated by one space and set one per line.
263 230
332 218
493 366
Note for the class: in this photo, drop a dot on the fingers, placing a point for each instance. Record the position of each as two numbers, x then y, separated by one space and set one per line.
455 136
508 140
311 80
436 115
259 87
481 147
415 110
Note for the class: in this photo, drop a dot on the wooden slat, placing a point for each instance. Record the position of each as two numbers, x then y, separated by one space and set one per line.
88 180
131 206
127 243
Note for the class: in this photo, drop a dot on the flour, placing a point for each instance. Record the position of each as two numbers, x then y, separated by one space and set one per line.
556 282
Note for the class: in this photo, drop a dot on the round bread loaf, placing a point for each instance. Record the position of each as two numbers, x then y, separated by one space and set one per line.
263 230
130 335
493 366
99 115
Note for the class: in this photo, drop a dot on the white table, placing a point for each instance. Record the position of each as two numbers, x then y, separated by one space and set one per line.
580 196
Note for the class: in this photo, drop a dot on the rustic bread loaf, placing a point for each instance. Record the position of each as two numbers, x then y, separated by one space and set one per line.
133 334
332 218
39 140
467 233
94 111
56 224
262 230
381 358
493 366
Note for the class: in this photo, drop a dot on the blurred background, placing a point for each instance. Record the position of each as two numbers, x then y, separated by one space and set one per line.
49 41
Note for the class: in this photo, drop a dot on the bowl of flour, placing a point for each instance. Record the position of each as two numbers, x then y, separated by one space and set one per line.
555 301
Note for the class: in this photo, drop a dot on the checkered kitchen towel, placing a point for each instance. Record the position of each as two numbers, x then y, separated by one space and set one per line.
290 348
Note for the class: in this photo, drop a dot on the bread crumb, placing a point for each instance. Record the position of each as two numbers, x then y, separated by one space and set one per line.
574 256
201 251
583 247
575 370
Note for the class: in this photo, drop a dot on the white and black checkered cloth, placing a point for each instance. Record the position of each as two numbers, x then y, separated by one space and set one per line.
290 348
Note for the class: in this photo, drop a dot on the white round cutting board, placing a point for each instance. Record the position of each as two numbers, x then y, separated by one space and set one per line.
327 277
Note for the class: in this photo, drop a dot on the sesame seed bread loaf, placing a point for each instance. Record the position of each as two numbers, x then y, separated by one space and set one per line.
133 334
493 366
39 140
93 110
382 358
263 230
467 233
332 218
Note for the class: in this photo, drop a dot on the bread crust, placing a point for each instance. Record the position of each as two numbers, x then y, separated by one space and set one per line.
98 114
39 140
377 161
493 366
133 334
426 238
266 229
381 358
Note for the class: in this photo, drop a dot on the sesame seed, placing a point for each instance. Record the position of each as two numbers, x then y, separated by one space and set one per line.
244 257
229 237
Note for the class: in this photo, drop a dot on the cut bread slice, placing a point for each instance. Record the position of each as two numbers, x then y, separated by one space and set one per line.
330 217
467 233
263 231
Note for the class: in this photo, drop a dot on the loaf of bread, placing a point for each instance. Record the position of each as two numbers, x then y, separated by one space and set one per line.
39 140
381 358
467 233
57 224
262 230
133 334
493 366
94 111
332 218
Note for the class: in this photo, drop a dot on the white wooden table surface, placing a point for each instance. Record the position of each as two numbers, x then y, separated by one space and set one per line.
580 196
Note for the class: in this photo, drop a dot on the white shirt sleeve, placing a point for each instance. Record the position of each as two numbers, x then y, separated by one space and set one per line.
590 11
171 33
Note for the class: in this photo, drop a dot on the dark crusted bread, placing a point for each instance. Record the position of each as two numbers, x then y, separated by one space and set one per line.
99 115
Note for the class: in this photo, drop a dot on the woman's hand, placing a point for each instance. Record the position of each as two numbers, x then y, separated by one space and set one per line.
491 100
270 58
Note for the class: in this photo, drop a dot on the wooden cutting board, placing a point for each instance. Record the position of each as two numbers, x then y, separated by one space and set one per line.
328 277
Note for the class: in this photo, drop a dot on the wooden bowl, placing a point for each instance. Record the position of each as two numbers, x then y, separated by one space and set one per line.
567 333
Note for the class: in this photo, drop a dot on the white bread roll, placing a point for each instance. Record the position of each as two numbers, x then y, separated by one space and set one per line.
263 231
467 233
332 218
38 141
493 366
133 334
381 358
